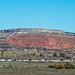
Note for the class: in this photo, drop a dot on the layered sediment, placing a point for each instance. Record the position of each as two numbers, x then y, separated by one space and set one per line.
43 40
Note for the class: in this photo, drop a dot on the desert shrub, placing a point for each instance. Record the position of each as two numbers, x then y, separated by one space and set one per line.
33 54
50 61
4 66
56 66
55 55
24 55
68 66
73 66
41 61
60 66
41 55
68 57
34 61
62 55
13 52
10 66
50 66
36 67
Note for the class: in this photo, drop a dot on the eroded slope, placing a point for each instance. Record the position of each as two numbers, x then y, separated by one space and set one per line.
43 40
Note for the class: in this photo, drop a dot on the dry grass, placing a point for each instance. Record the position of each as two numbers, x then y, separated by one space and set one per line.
23 68
22 54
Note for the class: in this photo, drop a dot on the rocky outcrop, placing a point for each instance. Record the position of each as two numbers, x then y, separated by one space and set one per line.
34 30
43 40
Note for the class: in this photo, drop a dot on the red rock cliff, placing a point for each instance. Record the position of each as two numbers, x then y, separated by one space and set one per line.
43 40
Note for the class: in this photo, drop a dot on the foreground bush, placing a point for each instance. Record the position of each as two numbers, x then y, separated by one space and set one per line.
68 66
61 66
50 66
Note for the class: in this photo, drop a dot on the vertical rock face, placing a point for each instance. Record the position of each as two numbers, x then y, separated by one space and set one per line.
43 40
34 30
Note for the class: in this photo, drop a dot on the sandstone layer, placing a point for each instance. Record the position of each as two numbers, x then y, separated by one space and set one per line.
43 40
34 30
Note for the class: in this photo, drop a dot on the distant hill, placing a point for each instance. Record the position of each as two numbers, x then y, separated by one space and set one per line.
50 39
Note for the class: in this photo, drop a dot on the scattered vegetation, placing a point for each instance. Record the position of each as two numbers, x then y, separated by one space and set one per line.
33 68
55 55
62 55
68 57
62 66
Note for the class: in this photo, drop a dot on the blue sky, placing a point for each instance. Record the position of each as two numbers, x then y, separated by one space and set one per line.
47 14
